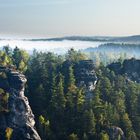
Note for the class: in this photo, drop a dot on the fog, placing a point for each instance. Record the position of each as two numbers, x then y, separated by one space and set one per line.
59 47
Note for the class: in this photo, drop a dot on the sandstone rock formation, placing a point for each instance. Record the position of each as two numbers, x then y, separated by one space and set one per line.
86 76
19 116
130 68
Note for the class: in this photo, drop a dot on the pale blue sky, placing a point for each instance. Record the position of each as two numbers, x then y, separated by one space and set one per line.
51 18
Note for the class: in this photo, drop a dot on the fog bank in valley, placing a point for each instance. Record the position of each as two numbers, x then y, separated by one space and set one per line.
59 47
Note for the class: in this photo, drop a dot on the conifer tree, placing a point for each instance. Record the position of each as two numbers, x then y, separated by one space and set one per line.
60 92
89 122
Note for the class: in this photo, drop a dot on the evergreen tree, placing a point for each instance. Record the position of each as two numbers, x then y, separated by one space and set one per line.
75 56
89 123
73 137
71 77
60 91
85 137
126 125
44 128
104 136
20 59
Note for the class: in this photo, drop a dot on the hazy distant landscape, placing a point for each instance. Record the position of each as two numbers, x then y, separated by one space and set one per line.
62 45
59 47
69 69
99 49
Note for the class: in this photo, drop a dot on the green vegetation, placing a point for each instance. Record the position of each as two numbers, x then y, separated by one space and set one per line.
61 108
18 58
53 93
9 132
8 58
3 101
110 52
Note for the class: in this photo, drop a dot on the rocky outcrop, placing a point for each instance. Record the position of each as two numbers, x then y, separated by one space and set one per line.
115 133
19 116
116 67
130 68
86 76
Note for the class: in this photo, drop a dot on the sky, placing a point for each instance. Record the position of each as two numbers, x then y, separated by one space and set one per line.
55 18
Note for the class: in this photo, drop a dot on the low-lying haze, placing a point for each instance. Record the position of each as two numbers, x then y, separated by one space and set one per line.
59 47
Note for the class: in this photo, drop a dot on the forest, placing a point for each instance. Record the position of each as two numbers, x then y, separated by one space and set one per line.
61 107
110 52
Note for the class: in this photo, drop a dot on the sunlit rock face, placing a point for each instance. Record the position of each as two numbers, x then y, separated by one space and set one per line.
19 115
86 76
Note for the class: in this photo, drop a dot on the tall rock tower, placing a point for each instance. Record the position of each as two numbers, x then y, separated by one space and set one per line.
16 117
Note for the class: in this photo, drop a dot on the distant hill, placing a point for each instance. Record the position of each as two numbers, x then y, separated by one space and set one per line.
133 39
115 47
74 38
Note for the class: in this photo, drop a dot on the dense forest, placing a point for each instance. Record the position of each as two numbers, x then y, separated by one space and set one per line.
110 52
63 110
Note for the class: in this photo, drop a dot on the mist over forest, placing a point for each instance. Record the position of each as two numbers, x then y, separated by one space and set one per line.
77 89
69 69
99 49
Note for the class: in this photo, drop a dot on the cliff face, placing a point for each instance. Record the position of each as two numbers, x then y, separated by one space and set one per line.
15 113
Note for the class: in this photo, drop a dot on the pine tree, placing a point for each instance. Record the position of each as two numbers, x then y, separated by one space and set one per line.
71 79
85 137
118 99
44 128
104 136
73 137
20 59
89 122
127 127
60 93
